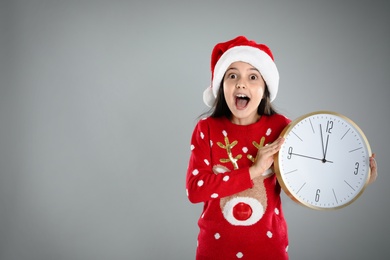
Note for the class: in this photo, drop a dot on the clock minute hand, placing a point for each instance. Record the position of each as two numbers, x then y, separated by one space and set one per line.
322 142
310 157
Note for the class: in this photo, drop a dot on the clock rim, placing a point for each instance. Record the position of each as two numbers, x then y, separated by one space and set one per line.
277 169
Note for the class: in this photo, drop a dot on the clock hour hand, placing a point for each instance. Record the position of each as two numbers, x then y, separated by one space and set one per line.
310 157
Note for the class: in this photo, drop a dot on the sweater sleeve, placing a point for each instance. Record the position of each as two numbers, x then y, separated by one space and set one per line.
202 183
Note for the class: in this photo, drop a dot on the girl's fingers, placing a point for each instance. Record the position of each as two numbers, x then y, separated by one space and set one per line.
271 149
374 169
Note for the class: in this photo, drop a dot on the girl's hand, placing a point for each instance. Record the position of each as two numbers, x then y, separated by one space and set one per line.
374 169
265 158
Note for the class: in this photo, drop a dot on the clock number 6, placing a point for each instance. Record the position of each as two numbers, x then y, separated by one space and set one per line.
317 198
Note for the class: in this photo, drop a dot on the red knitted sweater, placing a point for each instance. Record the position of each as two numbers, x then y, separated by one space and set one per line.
242 218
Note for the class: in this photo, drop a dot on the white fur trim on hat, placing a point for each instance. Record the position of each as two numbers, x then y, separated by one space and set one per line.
255 57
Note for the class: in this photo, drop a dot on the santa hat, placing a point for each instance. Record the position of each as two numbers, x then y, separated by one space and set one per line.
241 49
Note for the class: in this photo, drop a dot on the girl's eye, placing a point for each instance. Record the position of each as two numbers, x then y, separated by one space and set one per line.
232 76
253 77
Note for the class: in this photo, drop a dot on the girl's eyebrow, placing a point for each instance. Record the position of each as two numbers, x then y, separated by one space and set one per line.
254 69
234 68
231 68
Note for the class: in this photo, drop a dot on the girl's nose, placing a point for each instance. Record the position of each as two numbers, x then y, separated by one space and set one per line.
240 85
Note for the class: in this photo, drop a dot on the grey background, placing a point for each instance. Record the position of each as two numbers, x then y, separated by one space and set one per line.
98 101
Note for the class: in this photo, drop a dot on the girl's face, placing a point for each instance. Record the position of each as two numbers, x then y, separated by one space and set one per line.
243 88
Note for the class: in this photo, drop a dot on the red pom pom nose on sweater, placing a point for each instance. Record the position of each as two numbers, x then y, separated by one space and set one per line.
242 211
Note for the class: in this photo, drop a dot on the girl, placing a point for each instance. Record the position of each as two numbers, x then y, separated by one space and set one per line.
230 167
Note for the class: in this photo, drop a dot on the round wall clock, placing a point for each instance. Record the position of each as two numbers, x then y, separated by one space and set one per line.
324 160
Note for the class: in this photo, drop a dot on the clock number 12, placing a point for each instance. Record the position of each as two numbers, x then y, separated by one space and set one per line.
329 127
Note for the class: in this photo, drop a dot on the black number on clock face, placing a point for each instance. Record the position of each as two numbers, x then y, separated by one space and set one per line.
290 150
329 127
317 197
356 171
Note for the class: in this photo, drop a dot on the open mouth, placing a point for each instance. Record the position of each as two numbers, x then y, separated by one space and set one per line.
242 101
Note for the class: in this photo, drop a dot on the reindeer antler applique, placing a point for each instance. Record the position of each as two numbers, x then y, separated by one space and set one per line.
228 147
258 146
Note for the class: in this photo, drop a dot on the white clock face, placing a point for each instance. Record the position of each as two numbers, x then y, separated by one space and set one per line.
324 161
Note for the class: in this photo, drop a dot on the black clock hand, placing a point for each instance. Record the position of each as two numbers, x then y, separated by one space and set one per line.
322 142
309 157
326 147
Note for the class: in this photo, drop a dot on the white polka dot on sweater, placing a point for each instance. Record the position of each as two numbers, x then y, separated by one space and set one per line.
200 183
206 161
214 195
269 234
195 172
224 133
217 236
276 211
269 131
239 255
226 178
192 147
201 135
245 149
